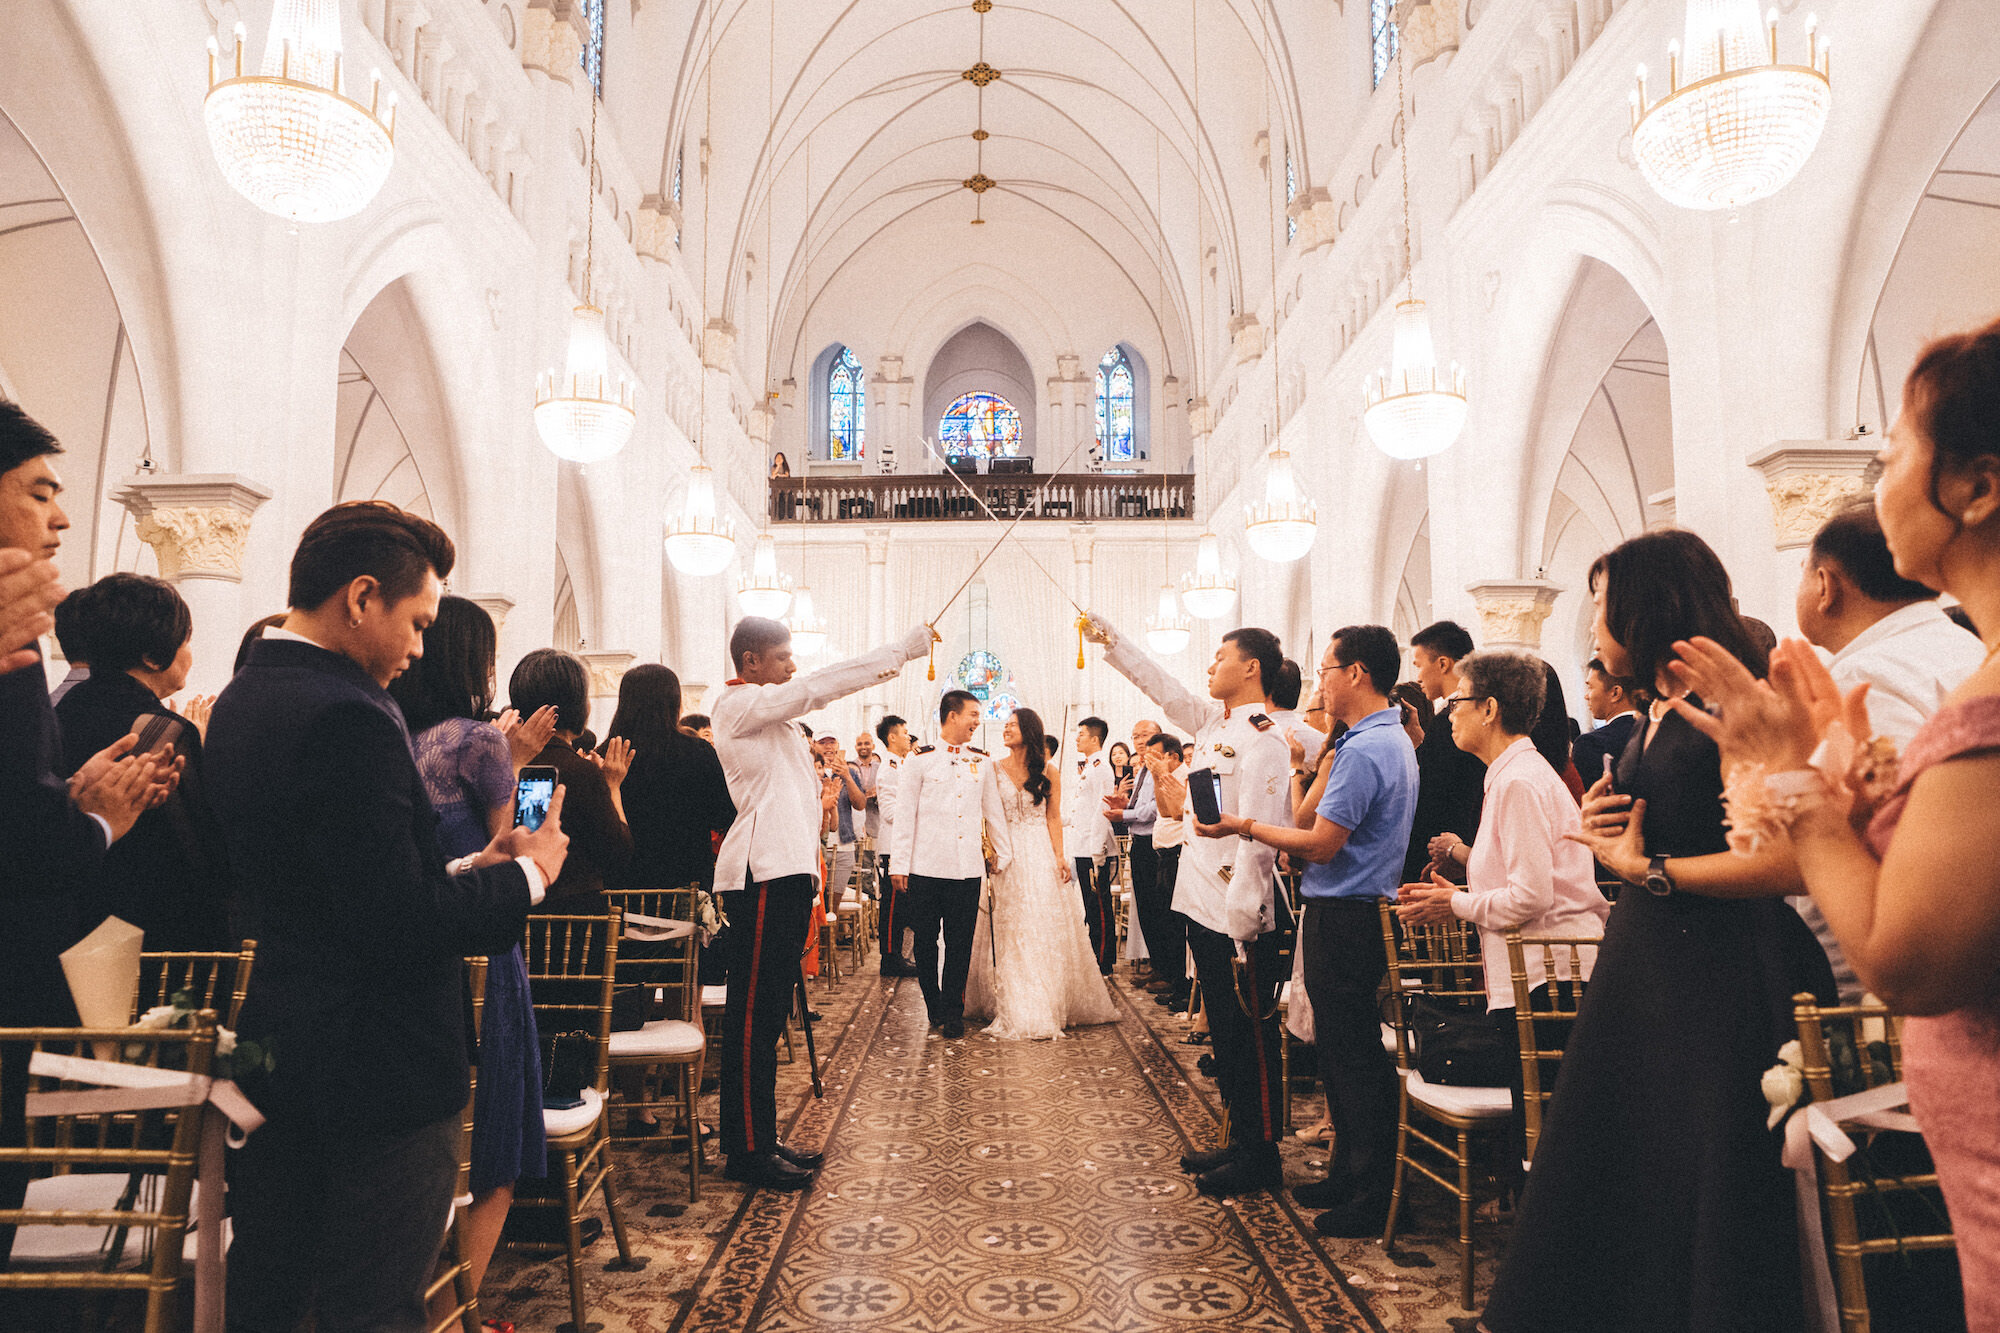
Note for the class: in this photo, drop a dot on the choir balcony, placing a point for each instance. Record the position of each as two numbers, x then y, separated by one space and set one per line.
1066 496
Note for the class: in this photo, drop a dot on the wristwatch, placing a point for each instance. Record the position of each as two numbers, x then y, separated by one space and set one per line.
1658 882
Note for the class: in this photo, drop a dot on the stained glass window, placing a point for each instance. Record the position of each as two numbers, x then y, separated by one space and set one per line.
593 50
1383 36
1114 406
680 154
846 409
980 423
1291 193
986 678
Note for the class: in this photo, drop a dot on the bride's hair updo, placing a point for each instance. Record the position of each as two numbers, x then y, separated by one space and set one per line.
1032 750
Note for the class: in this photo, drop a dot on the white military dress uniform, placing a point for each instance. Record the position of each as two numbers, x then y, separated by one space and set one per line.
947 796
1090 839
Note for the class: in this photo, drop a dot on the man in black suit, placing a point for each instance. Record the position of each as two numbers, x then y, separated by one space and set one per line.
1451 784
1610 702
339 1201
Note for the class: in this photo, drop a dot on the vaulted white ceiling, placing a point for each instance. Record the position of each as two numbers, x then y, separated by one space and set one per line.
839 138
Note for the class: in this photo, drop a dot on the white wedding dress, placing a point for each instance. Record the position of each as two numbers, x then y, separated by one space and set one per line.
1032 971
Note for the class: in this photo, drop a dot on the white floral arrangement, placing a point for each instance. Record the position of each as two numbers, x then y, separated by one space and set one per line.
709 916
233 1058
1784 1083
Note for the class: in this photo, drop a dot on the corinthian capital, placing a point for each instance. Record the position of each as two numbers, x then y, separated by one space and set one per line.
197 524
1810 481
1511 612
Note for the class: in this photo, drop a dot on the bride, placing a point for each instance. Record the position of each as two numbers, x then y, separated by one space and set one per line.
1033 972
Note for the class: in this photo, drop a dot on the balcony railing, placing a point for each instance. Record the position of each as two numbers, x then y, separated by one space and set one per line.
1068 496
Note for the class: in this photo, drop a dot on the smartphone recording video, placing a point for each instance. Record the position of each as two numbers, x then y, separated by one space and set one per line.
532 795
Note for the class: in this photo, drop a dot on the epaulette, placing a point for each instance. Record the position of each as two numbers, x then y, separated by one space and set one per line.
1261 722
973 749
923 749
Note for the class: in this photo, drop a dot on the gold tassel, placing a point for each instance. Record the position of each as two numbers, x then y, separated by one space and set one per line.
930 671
1081 621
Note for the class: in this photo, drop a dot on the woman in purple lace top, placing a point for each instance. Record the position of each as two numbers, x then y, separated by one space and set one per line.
1912 888
469 766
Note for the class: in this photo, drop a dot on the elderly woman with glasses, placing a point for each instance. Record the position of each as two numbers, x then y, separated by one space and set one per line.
1521 871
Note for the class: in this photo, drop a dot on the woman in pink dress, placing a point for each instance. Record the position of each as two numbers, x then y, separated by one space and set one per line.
1910 882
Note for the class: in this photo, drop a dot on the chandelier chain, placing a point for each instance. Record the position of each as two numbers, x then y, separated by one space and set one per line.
590 203
1403 115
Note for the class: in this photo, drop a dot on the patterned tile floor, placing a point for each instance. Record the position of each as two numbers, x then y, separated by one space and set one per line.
987 1185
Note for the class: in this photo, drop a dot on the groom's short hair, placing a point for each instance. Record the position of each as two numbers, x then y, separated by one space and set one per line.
953 701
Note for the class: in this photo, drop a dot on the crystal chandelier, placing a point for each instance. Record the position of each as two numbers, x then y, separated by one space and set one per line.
808 630
1735 125
585 415
698 542
1168 631
764 591
286 138
1281 529
1208 592
1413 411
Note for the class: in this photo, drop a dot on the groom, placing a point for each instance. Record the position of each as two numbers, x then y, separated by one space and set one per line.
943 794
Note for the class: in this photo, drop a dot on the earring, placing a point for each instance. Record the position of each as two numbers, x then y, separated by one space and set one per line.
354 622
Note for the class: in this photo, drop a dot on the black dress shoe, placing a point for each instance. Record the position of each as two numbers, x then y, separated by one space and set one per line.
1194 1163
1328 1193
798 1157
765 1170
893 966
953 1029
1205 1066
1255 1168
1359 1218
1195 1039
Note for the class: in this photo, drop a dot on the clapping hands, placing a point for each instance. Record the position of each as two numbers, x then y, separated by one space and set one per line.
614 761
526 739
29 591
118 786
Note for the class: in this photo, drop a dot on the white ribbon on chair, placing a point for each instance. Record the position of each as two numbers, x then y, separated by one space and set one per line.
641 927
123 1087
1823 1123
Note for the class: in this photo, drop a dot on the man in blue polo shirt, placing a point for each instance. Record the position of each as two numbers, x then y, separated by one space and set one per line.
1355 854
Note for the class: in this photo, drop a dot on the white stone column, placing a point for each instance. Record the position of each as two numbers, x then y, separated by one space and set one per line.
1512 611
606 669
1082 545
494 604
877 539
198 526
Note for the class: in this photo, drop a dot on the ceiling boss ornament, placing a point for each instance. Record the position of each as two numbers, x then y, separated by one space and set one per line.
981 74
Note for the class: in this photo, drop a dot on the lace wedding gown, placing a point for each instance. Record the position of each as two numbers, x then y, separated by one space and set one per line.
1033 972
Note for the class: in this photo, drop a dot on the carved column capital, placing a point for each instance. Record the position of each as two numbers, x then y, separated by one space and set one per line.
1246 337
718 344
493 604
655 223
196 523
1810 481
606 669
1511 611
1082 542
878 545
1317 216
551 44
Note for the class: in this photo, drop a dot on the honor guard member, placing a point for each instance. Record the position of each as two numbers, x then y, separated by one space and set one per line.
1227 888
895 737
1087 830
771 855
947 810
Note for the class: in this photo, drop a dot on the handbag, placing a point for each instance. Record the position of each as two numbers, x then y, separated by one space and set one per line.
570 1068
1457 1050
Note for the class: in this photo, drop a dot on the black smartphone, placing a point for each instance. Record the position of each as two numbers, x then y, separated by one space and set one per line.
156 732
532 795
1205 796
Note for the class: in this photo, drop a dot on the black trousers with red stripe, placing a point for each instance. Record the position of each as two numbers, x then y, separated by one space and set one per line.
1248 1067
1093 880
768 923
891 923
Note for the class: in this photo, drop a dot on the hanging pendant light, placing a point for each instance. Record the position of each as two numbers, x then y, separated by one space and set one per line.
698 542
764 591
1735 125
1282 528
287 139
1168 631
585 415
1208 592
808 630
1412 411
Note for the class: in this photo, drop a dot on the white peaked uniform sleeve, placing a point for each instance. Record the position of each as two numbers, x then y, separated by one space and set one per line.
817 689
885 796
1263 793
903 832
1183 707
996 816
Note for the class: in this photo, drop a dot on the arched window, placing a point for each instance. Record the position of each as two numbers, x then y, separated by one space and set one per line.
1382 36
1114 407
593 49
846 409
980 423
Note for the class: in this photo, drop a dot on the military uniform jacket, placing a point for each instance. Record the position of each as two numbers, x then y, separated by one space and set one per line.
1089 833
945 795
770 771
1226 884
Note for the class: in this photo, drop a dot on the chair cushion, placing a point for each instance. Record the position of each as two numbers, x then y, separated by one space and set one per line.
662 1037
76 1192
559 1123
1471 1103
848 907
714 997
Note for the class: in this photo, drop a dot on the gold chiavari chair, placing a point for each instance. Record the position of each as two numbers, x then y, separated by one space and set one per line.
1865 1042
571 964
91 1157
456 1272
204 976
1563 961
1289 884
671 1046
1442 965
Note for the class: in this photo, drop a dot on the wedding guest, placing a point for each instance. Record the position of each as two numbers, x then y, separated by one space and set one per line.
1414 708
338 1199
1609 700
1452 784
1524 871
1690 1000
1914 895
252 635
600 841
70 618
675 797
469 766
698 724
780 466
849 808
1141 814
1166 771
1551 734
170 875
1284 710
894 734
1143 732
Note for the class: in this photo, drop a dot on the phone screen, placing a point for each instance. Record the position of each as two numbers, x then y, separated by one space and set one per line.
1205 795
532 795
